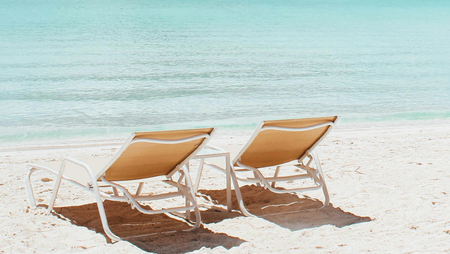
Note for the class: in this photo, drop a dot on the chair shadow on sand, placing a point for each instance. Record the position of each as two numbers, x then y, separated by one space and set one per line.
163 234
153 233
286 210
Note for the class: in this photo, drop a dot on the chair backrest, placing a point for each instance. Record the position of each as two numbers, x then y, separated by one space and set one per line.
281 141
149 154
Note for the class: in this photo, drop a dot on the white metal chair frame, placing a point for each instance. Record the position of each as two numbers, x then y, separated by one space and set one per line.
214 151
303 163
98 181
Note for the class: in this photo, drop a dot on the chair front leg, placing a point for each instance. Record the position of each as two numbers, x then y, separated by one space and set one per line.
31 169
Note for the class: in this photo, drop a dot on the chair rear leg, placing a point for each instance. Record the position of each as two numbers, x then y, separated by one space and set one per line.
322 178
277 171
325 193
56 188
256 176
101 211
191 196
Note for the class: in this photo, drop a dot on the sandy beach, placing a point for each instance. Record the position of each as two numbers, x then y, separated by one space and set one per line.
389 189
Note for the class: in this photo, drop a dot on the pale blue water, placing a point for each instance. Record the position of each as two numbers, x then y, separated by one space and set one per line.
97 67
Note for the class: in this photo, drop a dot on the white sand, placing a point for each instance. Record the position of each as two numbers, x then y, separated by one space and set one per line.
389 188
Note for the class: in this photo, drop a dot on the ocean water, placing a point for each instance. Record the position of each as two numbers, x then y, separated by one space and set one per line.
84 68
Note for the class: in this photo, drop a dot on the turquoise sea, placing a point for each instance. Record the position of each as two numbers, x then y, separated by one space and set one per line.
78 68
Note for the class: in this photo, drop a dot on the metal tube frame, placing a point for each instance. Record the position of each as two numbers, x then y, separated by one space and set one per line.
93 186
315 173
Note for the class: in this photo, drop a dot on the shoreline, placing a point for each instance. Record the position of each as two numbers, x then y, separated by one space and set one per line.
117 140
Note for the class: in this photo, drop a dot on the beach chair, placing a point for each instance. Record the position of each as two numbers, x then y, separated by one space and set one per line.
282 144
144 156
